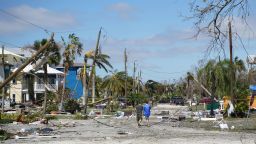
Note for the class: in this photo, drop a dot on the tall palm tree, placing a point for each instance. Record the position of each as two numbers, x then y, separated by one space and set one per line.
72 48
101 60
53 57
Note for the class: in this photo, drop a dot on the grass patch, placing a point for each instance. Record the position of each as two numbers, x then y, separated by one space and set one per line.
6 121
79 116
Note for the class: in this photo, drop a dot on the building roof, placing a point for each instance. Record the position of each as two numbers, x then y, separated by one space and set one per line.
50 70
6 52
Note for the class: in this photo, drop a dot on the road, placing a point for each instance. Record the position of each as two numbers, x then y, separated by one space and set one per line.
126 131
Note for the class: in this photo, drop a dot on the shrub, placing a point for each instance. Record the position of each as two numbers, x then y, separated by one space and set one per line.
51 107
241 108
32 117
3 135
12 117
135 99
71 106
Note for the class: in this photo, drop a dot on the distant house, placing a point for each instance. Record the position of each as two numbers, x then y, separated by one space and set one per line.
19 85
11 60
73 81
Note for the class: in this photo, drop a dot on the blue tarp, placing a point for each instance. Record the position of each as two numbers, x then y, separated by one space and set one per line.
253 87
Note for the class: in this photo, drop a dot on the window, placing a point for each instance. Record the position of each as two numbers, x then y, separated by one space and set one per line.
13 97
14 81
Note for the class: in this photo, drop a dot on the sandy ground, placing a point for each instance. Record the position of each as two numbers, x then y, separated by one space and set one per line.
107 131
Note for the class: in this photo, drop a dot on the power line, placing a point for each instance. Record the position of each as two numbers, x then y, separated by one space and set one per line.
26 21
164 72
240 39
38 26
7 43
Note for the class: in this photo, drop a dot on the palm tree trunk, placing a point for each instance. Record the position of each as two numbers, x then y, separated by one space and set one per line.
85 92
93 85
63 88
45 89
31 81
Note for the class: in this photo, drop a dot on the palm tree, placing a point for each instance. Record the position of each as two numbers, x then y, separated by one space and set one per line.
72 48
101 60
216 75
114 84
53 57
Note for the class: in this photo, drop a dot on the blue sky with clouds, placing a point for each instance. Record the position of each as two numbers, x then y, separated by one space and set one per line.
154 32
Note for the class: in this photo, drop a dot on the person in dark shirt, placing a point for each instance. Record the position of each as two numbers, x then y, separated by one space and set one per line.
139 110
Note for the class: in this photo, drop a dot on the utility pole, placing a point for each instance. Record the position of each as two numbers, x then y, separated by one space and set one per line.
230 42
125 69
134 71
231 61
139 77
14 74
3 89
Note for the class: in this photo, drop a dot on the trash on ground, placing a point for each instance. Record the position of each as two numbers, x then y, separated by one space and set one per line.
123 132
207 119
119 114
223 126
35 136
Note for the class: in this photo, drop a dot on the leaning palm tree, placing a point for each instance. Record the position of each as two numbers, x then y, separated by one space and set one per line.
101 60
72 48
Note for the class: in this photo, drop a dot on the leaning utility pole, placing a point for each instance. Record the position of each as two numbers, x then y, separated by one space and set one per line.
14 74
231 61
3 89
125 69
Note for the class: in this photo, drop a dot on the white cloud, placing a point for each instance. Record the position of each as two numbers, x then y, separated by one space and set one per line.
39 16
168 44
123 10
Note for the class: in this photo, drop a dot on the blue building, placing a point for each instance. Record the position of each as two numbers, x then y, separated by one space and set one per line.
72 80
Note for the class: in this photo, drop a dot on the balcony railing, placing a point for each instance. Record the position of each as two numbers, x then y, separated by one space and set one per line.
41 87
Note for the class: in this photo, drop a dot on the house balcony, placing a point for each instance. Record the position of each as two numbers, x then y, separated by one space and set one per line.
41 87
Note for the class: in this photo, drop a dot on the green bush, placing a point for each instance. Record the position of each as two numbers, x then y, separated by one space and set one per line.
12 117
32 117
135 99
3 135
72 106
52 107
241 108
6 121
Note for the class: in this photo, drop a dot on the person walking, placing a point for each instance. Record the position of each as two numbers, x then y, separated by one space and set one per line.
146 110
139 110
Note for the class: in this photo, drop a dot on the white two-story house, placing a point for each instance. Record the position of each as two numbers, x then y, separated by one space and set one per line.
20 85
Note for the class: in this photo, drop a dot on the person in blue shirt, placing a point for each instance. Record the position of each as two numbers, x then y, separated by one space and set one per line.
146 110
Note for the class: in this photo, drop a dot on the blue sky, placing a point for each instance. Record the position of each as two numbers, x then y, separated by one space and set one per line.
155 34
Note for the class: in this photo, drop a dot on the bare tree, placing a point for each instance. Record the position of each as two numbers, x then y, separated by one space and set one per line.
211 16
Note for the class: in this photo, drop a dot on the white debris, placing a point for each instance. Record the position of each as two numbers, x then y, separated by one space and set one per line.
223 126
